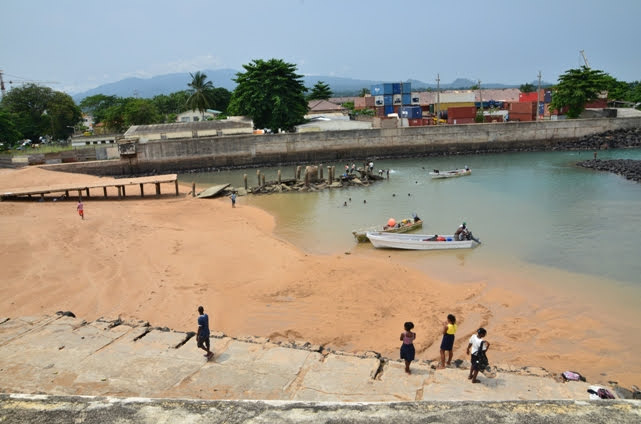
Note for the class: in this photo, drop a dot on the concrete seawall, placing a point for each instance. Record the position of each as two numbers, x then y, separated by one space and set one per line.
62 369
277 149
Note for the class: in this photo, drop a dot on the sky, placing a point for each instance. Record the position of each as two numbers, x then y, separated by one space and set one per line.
73 45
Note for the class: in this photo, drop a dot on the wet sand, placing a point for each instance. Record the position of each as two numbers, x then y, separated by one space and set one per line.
156 260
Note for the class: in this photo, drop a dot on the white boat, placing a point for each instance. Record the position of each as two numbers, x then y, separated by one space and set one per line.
418 241
436 174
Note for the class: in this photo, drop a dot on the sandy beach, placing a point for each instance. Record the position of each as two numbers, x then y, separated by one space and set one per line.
156 260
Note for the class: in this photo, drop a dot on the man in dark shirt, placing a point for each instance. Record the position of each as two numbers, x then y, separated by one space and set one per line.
202 336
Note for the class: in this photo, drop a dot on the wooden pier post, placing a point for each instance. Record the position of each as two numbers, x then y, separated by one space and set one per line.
193 189
142 190
157 189
333 173
258 176
104 191
87 190
79 194
306 178
298 173
279 179
262 180
245 180
66 193
177 191
320 172
329 175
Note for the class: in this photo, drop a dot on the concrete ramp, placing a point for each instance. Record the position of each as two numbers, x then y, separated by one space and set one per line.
212 191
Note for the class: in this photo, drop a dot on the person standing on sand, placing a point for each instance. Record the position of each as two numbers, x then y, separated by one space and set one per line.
407 348
475 344
447 343
202 336
81 209
233 199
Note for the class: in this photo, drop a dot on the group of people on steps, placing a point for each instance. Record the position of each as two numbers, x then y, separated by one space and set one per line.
476 345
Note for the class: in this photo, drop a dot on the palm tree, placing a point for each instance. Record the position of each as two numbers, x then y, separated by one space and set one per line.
201 92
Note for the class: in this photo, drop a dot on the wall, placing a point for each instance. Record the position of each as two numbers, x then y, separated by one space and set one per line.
318 147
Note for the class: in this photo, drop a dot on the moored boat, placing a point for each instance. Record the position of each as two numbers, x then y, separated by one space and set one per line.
436 174
419 241
409 225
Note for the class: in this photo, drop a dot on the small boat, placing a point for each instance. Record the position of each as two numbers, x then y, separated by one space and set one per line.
419 241
436 174
410 224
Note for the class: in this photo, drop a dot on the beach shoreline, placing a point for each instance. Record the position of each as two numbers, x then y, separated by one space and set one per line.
158 259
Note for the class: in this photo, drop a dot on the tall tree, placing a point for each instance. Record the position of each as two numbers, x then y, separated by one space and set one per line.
63 114
40 111
97 105
271 93
527 88
9 134
140 112
363 92
320 91
577 87
201 92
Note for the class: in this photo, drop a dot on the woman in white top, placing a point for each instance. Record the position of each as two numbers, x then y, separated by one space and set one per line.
475 344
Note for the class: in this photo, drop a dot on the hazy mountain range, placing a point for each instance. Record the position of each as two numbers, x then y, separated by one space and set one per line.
170 83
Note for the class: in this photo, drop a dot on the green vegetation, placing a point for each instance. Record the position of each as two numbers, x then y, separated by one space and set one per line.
32 111
271 93
527 88
320 91
576 88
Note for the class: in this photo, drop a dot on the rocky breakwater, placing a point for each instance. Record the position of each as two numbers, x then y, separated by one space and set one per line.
616 139
630 169
312 180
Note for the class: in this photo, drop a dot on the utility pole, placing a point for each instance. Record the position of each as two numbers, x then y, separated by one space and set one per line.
2 91
481 98
438 97
538 98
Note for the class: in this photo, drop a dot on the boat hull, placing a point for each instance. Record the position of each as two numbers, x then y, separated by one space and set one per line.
361 235
417 242
450 174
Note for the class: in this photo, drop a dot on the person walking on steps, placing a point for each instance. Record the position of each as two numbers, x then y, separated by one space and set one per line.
202 336
447 343
407 348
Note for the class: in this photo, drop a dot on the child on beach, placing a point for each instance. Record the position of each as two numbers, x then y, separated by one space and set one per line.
81 209
476 341
407 348
233 199
447 344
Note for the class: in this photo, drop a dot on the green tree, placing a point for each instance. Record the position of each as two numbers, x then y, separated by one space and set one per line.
271 93
577 87
527 88
114 117
140 112
201 92
320 91
363 92
62 113
9 134
97 105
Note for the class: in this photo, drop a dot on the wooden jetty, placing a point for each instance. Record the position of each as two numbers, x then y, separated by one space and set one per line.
83 190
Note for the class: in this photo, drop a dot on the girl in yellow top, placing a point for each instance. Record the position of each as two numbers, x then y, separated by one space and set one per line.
447 344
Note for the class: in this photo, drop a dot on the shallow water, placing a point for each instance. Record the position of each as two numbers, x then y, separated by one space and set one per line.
534 213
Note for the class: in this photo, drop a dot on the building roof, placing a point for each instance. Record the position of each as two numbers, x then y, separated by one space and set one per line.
187 126
319 106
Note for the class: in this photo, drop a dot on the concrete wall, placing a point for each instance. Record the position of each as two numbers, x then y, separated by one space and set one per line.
316 147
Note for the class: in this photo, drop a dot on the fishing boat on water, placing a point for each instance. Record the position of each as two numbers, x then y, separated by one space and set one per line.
436 174
420 241
402 226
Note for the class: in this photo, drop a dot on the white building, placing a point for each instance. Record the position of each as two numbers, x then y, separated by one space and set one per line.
159 132
196 115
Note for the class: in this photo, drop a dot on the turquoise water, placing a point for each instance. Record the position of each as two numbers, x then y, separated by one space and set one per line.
530 210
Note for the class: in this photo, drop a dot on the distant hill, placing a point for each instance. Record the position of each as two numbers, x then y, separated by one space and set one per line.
170 83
